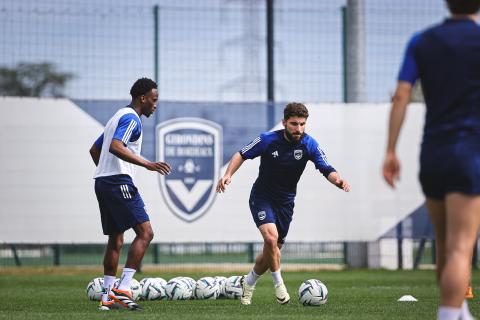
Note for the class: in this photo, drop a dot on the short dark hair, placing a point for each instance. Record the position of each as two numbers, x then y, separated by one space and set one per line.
141 87
295 109
463 6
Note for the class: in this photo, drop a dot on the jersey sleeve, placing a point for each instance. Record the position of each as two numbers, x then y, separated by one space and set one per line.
409 70
318 157
254 149
128 128
99 142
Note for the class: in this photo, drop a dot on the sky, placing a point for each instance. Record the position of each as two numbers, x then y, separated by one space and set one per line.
209 50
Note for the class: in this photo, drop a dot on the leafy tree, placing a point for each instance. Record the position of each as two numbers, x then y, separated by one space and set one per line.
33 80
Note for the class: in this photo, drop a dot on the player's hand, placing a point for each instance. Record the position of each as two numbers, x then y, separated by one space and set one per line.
342 184
161 167
391 169
222 183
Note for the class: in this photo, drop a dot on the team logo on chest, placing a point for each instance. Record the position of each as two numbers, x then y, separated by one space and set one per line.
298 154
193 148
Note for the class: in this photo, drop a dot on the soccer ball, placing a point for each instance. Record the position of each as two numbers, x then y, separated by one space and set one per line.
233 287
95 289
178 289
221 285
191 282
313 292
207 288
152 289
135 288
162 281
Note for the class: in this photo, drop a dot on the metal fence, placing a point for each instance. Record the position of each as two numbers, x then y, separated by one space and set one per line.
210 50
321 255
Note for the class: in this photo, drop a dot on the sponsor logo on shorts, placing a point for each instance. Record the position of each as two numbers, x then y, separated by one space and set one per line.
262 215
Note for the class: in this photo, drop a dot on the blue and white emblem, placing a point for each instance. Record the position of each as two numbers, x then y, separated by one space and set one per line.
298 154
193 148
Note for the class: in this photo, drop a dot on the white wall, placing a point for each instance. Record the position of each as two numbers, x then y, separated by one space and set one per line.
47 195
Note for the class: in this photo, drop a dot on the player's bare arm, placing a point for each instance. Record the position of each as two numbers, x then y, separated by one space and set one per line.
118 149
95 154
336 180
233 166
400 100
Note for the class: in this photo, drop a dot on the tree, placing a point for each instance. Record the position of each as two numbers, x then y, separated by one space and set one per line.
33 80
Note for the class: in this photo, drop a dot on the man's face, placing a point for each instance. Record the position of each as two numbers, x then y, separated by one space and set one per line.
294 128
149 102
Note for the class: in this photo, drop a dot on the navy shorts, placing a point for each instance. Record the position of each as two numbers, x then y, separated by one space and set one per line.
450 168
121 206
267 211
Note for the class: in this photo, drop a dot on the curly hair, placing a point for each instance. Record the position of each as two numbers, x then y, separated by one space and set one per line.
141 87
463 6
295 109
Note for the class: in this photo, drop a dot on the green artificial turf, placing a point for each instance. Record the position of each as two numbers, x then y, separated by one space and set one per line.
357 294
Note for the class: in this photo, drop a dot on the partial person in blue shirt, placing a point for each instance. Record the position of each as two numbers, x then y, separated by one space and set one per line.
116 153
446 60
283 157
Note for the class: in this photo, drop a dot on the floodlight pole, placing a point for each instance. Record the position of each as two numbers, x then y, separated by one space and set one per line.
156 74
354 74
270 66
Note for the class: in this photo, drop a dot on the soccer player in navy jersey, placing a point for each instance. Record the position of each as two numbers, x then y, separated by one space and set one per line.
116 153
446 60
283 157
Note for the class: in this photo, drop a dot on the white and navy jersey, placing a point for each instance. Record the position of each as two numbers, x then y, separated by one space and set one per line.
282 163
125 125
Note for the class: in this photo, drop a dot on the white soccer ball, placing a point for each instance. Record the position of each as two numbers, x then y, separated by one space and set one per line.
313 292
191 282
221 285
135 288
162 281
179 289
95 289
207 288
152 289
233 287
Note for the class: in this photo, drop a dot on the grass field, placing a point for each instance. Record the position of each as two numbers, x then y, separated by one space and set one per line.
360 294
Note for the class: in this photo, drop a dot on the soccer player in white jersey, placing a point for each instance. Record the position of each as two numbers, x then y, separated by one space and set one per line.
116 153
283 157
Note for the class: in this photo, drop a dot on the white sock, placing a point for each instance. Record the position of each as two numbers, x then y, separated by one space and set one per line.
277 277
448 313
465 313
127 275
252 278
108 282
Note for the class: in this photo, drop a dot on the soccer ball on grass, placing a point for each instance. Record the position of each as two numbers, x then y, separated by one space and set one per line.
313 292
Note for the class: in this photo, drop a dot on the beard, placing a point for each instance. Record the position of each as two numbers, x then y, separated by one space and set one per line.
293 138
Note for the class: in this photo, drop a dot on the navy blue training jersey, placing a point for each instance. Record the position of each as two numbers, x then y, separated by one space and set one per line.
282 163
446 59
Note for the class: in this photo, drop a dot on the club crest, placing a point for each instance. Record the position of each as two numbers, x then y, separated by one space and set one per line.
193 148
298 154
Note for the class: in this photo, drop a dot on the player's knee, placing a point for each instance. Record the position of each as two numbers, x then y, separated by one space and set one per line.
151 235
463 248
118 245
147 235
271 241
115 243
